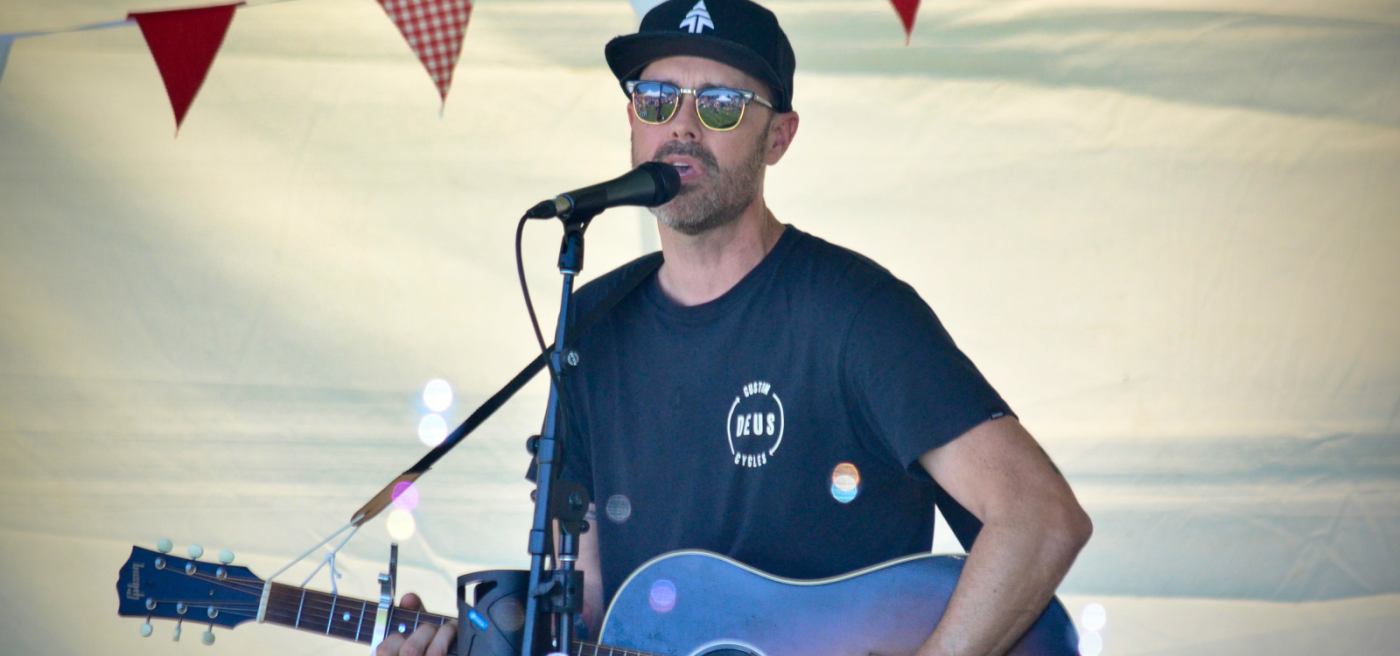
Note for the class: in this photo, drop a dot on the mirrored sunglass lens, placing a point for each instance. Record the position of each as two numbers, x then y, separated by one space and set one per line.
720 109
654 103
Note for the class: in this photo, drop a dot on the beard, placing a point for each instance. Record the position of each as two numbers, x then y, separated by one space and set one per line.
697 210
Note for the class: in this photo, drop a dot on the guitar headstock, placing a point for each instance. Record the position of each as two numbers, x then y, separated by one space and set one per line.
155 584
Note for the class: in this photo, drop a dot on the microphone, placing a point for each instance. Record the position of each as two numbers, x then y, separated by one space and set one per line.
648 185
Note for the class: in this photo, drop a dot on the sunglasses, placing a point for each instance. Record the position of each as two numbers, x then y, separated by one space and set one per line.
719 109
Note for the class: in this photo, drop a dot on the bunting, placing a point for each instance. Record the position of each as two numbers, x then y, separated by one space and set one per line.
434 30
183 43
906 10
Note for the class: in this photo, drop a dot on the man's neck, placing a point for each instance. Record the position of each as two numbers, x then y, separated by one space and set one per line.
701 268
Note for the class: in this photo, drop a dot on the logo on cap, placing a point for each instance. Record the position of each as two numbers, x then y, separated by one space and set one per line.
698 19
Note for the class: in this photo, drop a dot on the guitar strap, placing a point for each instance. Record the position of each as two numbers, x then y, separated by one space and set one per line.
642 269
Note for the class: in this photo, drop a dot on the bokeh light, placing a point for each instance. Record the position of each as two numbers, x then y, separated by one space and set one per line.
437 395
509 614
1093 617
845 482
619 508
663 596
405 496
1090 644
432 429
401 525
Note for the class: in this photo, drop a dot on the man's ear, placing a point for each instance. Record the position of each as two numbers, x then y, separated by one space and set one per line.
631 116
781 132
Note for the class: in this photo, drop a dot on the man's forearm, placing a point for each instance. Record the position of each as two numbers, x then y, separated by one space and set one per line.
1009 577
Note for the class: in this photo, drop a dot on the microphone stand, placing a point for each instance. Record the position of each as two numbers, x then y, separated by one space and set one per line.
557 594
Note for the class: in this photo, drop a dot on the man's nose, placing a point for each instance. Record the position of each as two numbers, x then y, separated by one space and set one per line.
685 125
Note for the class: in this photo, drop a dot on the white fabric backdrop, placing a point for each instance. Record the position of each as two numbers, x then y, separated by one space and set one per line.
1162 229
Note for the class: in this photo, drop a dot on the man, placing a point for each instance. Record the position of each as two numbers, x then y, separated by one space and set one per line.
772 397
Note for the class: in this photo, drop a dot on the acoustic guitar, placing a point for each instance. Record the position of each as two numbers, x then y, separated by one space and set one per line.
686 603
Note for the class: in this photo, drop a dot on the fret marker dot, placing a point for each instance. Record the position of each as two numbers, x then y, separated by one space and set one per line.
403 628
663 596
345 617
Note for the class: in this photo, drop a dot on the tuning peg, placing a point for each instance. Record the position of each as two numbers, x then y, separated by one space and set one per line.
146 629
164 546
196 551
226 557
207 637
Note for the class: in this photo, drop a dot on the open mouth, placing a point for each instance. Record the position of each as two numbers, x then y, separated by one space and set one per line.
686 167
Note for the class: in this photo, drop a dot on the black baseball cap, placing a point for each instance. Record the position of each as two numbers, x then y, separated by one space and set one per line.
739 33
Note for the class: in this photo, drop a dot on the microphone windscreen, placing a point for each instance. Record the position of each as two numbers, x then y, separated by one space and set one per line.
668 182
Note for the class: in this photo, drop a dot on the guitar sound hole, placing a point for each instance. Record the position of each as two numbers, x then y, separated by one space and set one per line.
728 651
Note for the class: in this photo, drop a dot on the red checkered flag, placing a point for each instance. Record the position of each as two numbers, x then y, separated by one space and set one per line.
434 29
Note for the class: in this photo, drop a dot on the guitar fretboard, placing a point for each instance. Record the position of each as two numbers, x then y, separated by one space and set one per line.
339 616
353 619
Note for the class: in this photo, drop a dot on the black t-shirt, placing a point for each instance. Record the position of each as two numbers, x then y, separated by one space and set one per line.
780 424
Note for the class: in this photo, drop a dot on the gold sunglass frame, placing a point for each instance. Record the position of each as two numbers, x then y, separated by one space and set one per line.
748 97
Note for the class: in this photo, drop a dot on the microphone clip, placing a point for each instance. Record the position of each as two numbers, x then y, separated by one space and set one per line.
565 209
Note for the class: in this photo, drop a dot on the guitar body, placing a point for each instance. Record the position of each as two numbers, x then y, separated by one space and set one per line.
693 603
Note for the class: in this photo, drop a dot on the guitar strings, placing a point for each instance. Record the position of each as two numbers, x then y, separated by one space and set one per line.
322 612
314 610
317 602
299 608
318 605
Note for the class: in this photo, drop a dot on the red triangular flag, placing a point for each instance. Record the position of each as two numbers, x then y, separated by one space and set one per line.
906 9
434 30
184 42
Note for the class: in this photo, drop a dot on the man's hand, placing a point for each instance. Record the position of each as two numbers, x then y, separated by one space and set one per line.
428 639
591 564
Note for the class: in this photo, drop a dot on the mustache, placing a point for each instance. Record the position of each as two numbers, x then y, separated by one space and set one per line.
692 150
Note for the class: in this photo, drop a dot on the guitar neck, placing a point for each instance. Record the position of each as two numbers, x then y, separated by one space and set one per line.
353 619
339 616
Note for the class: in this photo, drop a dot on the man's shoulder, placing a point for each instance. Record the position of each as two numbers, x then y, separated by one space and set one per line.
833 271
592 293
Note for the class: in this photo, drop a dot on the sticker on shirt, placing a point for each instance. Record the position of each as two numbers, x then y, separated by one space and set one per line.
755 425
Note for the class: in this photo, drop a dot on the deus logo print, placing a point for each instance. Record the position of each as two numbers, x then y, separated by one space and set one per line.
755 425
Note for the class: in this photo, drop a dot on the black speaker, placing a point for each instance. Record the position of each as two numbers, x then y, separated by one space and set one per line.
493 624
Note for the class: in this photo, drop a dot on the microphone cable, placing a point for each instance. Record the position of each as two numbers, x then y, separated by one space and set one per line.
525 288
566 401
